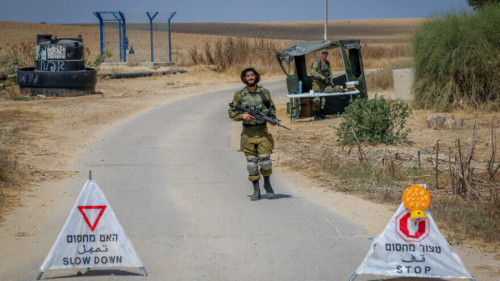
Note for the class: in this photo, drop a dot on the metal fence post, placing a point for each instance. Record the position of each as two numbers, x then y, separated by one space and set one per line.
169 41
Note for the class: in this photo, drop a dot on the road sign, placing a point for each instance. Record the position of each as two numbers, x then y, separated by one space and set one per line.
409 248
91 237
92 225
411 230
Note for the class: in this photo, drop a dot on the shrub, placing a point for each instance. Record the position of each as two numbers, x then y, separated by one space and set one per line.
97 61
375 121
457 58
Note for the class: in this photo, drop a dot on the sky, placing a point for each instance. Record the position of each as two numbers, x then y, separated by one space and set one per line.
81 11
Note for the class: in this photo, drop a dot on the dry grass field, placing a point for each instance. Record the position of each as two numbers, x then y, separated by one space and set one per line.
385 43
38 137
380 38
381 31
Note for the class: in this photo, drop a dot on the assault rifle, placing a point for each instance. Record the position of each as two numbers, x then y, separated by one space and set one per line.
258 115
329 80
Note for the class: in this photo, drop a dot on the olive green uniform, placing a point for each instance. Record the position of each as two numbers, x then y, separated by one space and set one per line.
318 71
256 142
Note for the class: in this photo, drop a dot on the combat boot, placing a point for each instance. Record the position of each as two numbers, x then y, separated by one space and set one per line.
322 114
268 187
317 116
256 191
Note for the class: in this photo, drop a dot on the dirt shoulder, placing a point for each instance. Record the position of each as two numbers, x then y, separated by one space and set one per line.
48 133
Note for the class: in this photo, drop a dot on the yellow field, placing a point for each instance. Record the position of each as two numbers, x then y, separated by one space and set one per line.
382 39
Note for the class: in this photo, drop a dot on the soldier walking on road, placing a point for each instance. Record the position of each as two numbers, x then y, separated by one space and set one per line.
256 142
321 72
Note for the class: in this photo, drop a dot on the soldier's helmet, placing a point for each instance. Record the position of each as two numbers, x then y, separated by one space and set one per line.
257 75
324 51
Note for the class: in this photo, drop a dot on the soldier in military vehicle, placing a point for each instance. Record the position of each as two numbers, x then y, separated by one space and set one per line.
256 142
321 72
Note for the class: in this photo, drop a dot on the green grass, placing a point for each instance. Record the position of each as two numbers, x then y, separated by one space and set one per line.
19 98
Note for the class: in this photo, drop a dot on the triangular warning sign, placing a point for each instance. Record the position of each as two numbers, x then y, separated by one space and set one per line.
412 249
92 236
86 217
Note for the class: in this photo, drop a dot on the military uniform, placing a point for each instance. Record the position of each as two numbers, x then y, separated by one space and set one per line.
318 71
256 142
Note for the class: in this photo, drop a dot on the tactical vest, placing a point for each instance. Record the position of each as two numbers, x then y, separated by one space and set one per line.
254 101
323 68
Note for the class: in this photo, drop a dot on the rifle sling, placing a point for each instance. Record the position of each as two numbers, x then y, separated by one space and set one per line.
264 99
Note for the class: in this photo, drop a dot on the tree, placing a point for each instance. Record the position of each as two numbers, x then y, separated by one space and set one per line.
476 4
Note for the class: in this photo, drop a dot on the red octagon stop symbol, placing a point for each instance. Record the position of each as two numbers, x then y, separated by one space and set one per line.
411 231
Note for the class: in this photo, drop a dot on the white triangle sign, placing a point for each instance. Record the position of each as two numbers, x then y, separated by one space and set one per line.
408 249
92 236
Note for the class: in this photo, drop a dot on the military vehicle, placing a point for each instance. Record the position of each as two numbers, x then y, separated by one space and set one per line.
293 62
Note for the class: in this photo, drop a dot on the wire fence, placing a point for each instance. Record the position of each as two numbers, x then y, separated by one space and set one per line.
146 40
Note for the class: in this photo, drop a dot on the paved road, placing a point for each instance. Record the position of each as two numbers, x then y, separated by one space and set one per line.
181 193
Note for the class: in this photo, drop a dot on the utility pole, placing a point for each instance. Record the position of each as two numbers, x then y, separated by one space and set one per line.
326 18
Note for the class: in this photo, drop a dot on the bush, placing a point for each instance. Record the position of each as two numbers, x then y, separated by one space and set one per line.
457 58
375 121
97 61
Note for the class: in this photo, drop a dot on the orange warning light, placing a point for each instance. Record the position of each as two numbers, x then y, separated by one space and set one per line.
416 199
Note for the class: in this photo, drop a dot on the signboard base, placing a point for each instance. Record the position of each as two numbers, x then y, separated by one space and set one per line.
143 271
